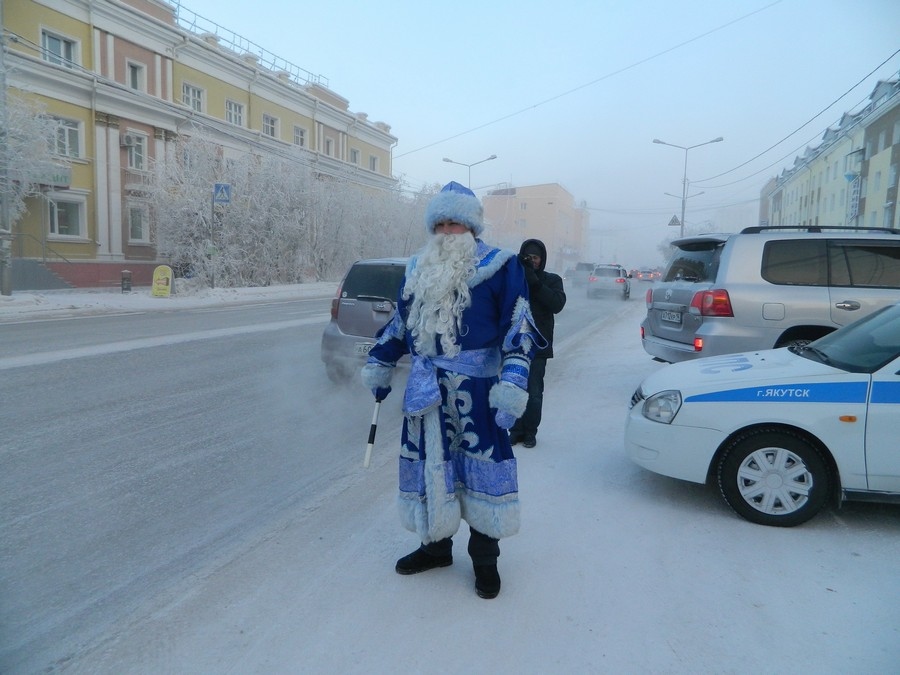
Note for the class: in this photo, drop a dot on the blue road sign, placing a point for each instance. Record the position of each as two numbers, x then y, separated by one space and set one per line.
222 193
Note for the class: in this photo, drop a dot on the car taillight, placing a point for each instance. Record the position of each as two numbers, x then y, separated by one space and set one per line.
592 278
698 344
335 302
712 303
620 281
649 298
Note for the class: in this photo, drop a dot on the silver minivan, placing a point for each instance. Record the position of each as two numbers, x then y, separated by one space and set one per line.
767 287
365 301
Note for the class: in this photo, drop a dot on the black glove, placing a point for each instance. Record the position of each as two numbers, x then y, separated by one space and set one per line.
531 277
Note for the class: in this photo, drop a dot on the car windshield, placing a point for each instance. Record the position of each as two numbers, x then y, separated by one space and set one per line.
861 347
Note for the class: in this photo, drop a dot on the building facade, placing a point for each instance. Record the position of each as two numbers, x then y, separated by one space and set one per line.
547 212
124 79
851 178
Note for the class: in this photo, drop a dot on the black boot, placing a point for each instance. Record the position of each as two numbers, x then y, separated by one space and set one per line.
484 551
426 557
487 581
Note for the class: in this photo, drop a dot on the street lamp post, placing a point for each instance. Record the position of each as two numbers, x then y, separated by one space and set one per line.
684 180
469 166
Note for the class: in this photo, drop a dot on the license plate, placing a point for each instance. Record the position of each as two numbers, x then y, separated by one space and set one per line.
362 348
671 317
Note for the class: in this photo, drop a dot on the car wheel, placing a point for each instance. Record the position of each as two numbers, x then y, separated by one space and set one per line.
773 477
337 373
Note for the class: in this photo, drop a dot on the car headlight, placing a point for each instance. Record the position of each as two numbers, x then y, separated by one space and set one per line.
663 406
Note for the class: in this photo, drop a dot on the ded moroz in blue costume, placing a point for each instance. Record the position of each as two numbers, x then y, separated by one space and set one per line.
463 317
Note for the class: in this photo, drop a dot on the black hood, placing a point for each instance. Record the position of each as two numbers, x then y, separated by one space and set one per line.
539 244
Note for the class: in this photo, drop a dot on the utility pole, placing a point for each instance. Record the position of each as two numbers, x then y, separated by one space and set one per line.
5 188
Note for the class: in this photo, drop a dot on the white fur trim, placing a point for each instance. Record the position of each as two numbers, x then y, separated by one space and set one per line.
375 375
508 398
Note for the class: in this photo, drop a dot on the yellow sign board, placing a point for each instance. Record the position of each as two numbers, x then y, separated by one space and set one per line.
162 282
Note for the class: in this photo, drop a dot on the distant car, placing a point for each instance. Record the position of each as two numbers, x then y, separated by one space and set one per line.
767 287
783 432
647 275
609 280
578 276
365 301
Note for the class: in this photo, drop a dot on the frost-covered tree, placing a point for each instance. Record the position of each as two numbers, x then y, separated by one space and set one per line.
285 222
28 138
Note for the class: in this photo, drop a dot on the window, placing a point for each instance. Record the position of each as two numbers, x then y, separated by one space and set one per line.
192 97
300 136
137 151
270 126
66 215
862 264
67 138
795 262
234 113
136 76
523 206
329 147
354 156
373 163
138 222
57 49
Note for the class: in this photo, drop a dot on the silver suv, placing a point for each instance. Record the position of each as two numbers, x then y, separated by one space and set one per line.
610 281
767 287
365 301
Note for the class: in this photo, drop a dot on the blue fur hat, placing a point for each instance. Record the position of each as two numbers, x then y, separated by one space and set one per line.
457 203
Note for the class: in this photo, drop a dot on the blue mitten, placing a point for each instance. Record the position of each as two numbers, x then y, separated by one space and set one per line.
378 378
504 420
510 402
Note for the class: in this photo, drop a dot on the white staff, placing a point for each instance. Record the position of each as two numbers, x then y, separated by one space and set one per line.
372 432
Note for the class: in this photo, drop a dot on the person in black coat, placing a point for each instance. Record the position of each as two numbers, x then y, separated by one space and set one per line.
547 297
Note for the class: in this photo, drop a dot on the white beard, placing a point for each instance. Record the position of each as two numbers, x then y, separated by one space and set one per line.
440 291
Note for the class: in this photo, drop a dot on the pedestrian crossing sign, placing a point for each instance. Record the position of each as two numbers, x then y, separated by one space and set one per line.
222 193
674 222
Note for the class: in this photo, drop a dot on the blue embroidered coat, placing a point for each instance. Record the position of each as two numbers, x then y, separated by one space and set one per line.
455 461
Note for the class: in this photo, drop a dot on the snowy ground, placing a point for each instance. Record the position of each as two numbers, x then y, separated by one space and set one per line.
616 570
51 304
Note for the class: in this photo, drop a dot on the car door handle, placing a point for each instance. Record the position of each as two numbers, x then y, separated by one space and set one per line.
849 305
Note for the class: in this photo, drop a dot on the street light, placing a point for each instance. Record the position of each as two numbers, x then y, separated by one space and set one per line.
684 180
469 166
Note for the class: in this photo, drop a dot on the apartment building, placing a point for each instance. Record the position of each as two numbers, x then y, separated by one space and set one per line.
125 78
850 179
547 212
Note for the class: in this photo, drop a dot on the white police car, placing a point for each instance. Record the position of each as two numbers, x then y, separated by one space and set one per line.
784 431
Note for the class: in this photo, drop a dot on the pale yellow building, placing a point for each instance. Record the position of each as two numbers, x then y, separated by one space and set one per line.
547 212
850 179
125 79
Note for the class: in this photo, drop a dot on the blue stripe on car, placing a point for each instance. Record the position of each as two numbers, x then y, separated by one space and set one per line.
886 392
822 392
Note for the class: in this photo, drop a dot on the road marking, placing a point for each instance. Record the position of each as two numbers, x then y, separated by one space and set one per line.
147 343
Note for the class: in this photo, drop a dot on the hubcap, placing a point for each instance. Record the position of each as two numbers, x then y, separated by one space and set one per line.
774 481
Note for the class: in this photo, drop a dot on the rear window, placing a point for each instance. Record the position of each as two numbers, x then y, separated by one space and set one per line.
697 265
607 272
584 267
380 281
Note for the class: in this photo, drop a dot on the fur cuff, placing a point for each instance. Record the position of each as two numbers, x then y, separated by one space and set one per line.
375 375
508 398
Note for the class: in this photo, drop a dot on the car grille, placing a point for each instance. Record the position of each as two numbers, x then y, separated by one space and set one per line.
636 397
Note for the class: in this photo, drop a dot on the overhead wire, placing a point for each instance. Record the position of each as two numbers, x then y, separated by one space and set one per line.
594 81
795 131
